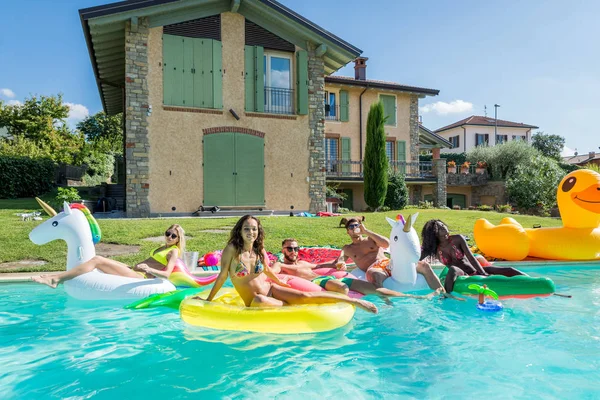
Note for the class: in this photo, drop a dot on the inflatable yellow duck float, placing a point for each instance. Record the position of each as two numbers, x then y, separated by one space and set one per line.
578 197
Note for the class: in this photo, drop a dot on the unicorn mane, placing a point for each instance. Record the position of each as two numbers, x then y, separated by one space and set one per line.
94 226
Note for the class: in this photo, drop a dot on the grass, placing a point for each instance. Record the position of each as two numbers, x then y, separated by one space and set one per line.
15 244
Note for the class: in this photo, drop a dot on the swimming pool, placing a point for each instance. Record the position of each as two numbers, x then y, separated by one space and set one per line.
55 347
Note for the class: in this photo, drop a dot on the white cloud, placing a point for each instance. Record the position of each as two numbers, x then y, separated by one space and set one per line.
443 108
7 93
567 151
14 103
77 112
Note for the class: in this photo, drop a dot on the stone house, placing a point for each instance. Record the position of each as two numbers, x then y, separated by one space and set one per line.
223 105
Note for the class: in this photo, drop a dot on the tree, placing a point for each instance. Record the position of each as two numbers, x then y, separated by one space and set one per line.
549 145
40 122
103 132
375 162
503 159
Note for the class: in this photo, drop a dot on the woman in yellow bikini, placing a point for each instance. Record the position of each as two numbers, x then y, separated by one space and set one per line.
160 263
245 261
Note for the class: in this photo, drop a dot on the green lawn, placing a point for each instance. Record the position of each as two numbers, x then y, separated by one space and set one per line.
15 244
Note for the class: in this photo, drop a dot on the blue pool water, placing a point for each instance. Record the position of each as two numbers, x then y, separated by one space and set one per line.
55 347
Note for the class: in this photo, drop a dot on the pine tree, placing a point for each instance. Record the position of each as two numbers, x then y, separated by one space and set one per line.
375 162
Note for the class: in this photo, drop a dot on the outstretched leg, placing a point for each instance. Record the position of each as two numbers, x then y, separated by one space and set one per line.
431 278
368 288
105 265
292 296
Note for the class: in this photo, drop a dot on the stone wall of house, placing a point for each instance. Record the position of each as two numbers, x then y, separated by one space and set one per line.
137 145
495 189
459 179
440 192
414 128
415 194
316 122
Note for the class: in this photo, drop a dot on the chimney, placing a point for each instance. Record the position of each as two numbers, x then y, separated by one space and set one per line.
592 154
360 68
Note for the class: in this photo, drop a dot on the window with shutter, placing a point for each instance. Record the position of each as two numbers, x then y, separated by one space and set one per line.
389 107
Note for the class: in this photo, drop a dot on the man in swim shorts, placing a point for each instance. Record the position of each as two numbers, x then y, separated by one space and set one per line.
367 252
291 265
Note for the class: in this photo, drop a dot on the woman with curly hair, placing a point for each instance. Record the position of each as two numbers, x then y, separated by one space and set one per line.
246 262
454 253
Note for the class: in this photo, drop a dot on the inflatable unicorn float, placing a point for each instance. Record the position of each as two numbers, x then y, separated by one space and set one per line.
80 230
405 252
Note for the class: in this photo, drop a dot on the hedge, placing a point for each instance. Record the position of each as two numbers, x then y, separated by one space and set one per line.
25 177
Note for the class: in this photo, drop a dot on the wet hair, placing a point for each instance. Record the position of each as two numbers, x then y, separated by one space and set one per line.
429 236
237 240
351 220
288 240
180 237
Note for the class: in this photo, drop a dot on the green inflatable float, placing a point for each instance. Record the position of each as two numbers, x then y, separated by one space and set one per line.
522 286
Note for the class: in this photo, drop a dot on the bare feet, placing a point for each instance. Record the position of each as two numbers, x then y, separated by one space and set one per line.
46 280
366 305
450 296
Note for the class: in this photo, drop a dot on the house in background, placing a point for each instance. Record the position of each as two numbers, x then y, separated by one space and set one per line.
591 158
476 131
231 104
347 103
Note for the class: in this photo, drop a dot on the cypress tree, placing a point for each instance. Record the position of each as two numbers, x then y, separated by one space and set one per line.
375 162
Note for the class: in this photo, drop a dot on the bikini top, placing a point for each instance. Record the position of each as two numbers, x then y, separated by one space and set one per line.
161 256
457 253
242 271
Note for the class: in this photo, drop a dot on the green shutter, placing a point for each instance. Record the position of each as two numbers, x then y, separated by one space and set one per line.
217 75
389 106
249 170
401 154
207 73
346 167
199 87
172 70
188 69
259 78
302 82
219 169
249 78
344 106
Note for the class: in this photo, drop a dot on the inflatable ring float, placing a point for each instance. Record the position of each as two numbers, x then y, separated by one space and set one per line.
227 312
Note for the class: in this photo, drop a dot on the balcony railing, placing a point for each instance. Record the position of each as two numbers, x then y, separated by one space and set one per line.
279 100
348 169
332 113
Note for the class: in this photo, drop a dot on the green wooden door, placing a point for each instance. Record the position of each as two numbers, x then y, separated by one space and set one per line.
234 172
349 201
249 170
456 200
219 169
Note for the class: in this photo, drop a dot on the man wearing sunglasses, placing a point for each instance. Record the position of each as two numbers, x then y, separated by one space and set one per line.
291 265
367 252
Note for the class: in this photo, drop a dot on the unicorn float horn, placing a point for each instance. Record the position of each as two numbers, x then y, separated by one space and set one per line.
49 210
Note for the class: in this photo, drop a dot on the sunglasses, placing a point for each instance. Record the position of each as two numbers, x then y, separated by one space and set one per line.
173 235
294 249
353 226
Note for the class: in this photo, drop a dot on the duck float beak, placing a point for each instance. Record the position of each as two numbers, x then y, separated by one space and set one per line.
588 199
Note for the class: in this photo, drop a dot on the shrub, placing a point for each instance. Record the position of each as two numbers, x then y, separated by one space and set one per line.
504 208
533 185
384 208
425 204
504 158
69 194
100 167
593 167
343 210
397 192
458 158
25 177
485 207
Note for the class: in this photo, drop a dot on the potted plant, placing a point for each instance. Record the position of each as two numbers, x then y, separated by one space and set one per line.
451 167
480 167
464 168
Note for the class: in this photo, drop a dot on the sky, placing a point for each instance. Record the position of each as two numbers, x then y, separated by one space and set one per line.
537 59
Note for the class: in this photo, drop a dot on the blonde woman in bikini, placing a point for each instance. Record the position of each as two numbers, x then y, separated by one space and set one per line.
160 263
245 261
